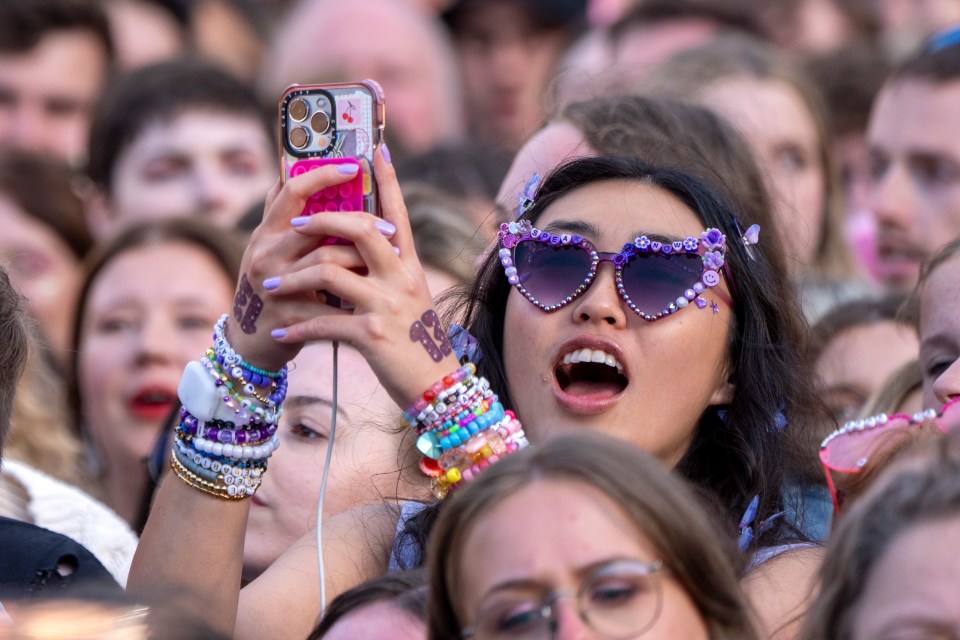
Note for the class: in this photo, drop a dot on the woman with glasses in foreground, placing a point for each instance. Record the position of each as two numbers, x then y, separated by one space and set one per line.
582 537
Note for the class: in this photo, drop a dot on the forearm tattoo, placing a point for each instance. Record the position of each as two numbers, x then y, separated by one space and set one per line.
434 342
247 306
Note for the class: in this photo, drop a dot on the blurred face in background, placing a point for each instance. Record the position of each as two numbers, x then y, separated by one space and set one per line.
507 60
915 169
395 43
940 333
47 94
203 164
43 269
858 360
148 312
783 136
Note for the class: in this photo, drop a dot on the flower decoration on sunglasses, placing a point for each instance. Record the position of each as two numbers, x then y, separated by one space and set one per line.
655 278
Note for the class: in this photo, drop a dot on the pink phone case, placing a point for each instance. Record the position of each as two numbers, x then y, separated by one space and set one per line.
337 123
344 197
333 124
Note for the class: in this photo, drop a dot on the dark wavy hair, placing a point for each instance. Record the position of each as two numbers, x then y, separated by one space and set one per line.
738 450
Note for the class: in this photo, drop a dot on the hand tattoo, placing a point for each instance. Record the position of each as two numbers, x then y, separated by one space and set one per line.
437 346
247 306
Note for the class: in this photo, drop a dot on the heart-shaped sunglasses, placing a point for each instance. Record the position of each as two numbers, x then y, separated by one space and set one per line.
656 277
850 448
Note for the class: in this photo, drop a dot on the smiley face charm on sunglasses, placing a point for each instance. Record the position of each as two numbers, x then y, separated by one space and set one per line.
656 276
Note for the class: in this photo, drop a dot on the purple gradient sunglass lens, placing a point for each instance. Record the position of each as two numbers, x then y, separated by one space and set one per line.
551 273
652 282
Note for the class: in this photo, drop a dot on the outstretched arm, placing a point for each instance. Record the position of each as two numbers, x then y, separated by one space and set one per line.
193 542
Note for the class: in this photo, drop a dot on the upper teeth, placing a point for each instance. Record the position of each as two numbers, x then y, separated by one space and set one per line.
592 355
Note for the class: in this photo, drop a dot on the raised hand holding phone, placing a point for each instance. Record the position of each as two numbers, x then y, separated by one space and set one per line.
394 324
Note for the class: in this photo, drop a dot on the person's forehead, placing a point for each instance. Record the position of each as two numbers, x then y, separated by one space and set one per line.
63 61
917 113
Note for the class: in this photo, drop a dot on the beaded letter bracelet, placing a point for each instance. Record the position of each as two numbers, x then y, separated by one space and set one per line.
228 425
461 429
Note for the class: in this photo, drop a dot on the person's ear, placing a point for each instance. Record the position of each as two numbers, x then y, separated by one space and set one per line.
723 394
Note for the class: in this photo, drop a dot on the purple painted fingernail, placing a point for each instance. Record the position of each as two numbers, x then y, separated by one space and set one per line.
348 169
300 221
386 153
278 333
396 250
386 228
271 283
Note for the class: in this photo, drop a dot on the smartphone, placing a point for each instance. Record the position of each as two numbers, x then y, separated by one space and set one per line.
336 123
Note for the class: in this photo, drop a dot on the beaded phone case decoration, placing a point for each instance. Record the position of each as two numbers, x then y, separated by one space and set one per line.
343 197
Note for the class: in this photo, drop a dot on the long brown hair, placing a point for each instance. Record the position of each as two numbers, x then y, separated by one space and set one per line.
664 509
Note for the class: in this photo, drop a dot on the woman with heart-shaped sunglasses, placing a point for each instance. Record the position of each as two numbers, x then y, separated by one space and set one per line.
687 345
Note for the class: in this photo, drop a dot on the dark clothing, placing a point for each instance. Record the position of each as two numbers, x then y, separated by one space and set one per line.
37 562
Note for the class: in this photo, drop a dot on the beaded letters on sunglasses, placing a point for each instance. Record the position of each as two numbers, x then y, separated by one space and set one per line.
654 278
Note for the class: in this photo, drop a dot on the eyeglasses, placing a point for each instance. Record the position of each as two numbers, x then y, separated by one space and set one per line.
656 278
848 449
618 600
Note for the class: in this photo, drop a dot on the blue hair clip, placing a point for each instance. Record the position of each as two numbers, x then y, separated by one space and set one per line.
781 417
465 345
525 199
949 37
746 531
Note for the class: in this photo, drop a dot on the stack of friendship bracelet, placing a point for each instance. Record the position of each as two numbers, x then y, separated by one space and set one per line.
228 421
461 429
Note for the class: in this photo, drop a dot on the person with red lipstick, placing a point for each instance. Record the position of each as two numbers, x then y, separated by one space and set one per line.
915 160
148 300
626 300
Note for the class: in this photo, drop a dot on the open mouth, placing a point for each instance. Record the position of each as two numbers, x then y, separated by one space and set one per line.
153 403
899 254
898 264
586 371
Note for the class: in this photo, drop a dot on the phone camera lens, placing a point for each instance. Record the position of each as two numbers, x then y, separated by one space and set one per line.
297 109
320 122
299 137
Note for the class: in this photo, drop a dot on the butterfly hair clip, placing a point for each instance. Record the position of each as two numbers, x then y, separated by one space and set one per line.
526 199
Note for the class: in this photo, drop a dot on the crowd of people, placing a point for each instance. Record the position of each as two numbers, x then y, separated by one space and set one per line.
651 335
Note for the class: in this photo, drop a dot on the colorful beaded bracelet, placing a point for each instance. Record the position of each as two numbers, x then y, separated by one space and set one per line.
462 428
228 357
224 432
219 488
429 397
